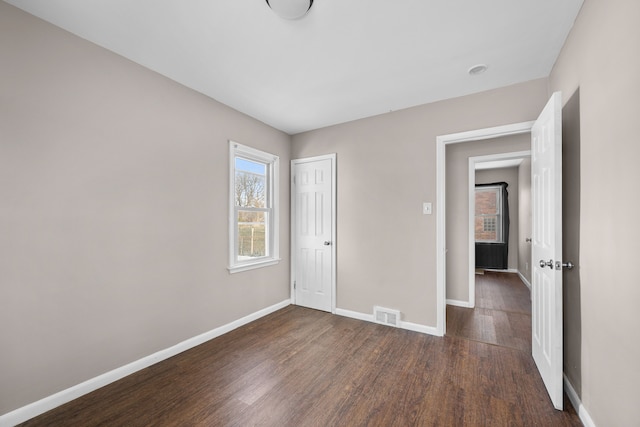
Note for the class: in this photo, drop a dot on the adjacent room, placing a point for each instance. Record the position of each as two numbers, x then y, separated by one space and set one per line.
302 213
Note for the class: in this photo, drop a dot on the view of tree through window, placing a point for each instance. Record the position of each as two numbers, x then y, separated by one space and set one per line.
488 226
251 200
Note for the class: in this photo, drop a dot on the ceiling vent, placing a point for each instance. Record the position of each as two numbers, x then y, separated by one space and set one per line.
386 316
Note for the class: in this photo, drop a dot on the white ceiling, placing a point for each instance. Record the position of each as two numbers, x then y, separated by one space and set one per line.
344 60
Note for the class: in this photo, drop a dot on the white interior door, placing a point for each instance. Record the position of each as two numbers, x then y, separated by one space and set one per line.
546 298
313 232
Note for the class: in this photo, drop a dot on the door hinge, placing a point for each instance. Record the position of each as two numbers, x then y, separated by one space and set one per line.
294 284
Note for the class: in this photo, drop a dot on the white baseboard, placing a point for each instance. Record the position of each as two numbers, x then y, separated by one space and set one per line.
354 315
577 404
43 405
497 270
458 303
524 280
416 327
430 330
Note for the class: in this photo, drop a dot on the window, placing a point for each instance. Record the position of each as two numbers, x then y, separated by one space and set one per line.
488 221
253 202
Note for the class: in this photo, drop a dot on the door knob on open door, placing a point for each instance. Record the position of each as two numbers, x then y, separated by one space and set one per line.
544 264
327 243
568 265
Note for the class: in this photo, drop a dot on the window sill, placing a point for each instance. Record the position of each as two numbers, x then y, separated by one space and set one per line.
250 266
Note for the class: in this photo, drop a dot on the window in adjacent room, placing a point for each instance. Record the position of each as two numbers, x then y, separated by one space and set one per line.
253 213
488 220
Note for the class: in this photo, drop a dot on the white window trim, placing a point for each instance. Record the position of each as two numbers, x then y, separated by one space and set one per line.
236 149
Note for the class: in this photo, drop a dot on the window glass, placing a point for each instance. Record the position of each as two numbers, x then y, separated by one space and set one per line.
250 183
252 229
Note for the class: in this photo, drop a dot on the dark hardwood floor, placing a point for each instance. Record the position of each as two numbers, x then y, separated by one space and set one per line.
301 367
502 315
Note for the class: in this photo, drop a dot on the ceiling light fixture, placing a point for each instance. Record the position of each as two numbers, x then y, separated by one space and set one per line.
290 9
477 69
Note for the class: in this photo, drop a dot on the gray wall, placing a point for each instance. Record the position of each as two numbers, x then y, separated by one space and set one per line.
600 58
386 169
510 176
524 223
457 200
114 187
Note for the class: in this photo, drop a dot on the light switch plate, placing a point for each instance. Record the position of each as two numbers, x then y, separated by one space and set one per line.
426 208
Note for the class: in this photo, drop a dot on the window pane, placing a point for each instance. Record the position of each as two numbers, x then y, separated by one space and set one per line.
252 227
486 228
488 222
486 202
250 183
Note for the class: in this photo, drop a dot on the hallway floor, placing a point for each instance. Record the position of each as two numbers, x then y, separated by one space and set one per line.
502 315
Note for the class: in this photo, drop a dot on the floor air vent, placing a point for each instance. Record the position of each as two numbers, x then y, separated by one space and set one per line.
386 316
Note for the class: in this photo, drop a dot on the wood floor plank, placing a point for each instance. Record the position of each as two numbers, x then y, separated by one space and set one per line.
502 315
301 367
502 291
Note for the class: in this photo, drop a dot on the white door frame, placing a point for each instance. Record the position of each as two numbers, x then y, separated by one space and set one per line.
441 142
293 251
472 211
